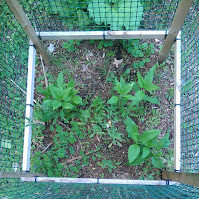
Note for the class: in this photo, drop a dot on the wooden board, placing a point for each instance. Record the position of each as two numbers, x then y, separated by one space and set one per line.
180 15
26 25
185 178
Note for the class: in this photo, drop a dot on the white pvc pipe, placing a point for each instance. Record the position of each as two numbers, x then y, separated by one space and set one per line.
103 35
86 35
177 89
29 108
95 181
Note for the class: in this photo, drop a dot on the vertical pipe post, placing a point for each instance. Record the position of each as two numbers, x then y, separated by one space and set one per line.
177 116
180 15
29 107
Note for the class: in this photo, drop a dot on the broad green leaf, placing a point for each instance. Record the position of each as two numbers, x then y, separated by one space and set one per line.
150 87
164 142
148 80
149 77
66 94
77 99
118 86
6 144
114 100
134 136
136 87
150 143
73 92
56 104
133 152
129 97
47 115
97 10
145 152
152 100
140 80
46 92
150 134
128 87
131 127
60 79
139 96
118 15
56 92
53 93
47 103
122 82
82 17
126 13
122 87
67 105
157 163
138 161
71 84
62 114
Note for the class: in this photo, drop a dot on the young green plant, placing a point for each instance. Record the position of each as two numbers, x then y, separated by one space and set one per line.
60 99
146 145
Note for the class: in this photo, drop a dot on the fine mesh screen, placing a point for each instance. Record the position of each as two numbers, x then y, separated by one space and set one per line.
190 92
13 67
12 188
76 15
59 15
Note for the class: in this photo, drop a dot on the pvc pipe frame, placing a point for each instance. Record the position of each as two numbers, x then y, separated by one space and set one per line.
96 181
29 108
86 35
177 113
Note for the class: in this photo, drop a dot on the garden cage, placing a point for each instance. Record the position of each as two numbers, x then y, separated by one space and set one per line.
25 24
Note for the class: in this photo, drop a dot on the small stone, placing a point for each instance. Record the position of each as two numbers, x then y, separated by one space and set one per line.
51 48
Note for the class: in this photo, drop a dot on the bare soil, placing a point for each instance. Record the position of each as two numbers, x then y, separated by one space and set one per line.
90 68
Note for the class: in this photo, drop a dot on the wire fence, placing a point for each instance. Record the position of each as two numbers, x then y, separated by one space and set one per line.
13 188
92 15
13 62
80 15
190 92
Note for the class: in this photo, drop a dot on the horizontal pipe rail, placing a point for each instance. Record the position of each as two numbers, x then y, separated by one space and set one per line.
20 174
95 181
88 35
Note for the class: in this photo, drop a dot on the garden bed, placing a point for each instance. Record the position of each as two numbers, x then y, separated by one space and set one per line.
90 139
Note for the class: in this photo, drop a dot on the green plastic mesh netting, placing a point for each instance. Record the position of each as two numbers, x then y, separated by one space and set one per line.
189 93
13 188
91 15
13 75
61 15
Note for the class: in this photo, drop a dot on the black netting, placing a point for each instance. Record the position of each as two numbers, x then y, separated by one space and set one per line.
13 62
190 92
12 188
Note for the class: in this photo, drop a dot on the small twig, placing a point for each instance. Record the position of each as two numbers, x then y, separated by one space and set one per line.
22 90
42 63
64 125
17 86
46 148
38 122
